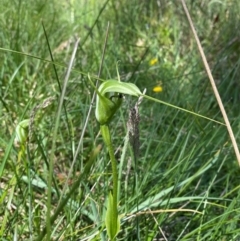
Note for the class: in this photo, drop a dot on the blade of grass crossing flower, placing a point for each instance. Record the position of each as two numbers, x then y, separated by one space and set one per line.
182 109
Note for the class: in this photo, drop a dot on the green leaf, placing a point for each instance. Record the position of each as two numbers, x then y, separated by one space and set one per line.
112 224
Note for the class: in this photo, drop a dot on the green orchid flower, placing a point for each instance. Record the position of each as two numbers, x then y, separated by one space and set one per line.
106 106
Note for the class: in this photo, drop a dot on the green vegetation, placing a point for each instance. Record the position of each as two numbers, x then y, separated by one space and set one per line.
57 181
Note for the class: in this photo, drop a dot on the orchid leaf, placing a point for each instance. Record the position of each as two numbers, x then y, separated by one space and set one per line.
112 225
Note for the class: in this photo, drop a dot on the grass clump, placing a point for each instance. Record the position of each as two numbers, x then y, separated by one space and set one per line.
182 184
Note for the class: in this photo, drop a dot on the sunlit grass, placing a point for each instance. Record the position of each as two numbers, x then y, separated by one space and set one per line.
184 184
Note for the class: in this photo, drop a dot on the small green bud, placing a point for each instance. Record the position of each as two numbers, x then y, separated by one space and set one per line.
21 132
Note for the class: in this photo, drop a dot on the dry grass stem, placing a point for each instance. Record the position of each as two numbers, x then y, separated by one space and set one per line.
225 117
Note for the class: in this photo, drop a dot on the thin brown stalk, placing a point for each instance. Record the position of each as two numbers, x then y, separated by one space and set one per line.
222 109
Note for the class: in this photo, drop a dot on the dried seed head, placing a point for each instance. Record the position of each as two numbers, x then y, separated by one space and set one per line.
133 127
133 130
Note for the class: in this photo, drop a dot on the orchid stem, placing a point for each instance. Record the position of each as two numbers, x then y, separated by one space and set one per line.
108 142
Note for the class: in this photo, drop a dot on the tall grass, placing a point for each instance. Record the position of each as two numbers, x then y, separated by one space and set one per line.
184 184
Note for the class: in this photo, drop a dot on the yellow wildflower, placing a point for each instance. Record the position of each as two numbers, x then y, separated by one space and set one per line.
157 89
153 61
